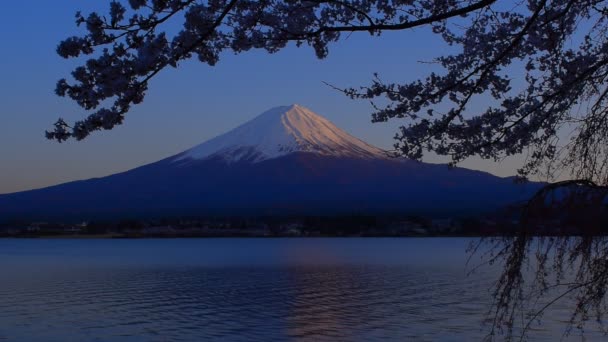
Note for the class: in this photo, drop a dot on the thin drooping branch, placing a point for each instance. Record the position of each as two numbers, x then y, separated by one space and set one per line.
536 266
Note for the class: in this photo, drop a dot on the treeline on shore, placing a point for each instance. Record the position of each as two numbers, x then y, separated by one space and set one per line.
346 225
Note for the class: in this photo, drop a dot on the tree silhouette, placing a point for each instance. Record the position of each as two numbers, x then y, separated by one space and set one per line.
543 265
559 117
558 47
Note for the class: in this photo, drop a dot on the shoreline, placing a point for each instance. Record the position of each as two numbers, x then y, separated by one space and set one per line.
170 237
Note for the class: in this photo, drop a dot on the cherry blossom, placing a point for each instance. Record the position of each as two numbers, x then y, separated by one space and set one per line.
557 46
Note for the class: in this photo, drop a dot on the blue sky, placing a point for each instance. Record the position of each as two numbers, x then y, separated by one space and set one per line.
184 106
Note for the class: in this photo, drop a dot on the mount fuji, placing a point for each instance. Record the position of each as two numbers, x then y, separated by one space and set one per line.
288 160
282 131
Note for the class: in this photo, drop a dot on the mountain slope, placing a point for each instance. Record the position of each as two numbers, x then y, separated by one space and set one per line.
286 161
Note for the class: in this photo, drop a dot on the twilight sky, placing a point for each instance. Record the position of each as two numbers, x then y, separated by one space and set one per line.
184 106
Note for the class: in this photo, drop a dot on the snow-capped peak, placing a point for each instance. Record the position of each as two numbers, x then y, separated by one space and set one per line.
281 131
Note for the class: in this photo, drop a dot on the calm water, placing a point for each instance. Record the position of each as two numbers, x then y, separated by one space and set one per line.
247 290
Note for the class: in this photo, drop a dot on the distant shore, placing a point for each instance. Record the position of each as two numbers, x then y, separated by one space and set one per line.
272 226
218 236
130 236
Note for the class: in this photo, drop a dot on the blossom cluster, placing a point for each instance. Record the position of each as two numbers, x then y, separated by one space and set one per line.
558 47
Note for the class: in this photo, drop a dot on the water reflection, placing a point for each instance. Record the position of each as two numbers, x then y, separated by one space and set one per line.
242 290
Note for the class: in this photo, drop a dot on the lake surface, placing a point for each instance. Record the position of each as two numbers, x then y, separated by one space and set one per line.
353 289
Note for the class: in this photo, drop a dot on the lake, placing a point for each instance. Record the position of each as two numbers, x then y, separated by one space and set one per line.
317 289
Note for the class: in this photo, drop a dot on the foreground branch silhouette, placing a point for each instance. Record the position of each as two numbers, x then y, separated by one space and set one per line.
539 270
558 118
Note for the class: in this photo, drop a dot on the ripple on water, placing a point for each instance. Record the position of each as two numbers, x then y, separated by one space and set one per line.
264 290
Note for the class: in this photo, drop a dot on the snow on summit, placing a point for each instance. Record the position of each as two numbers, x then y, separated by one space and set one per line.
281 131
